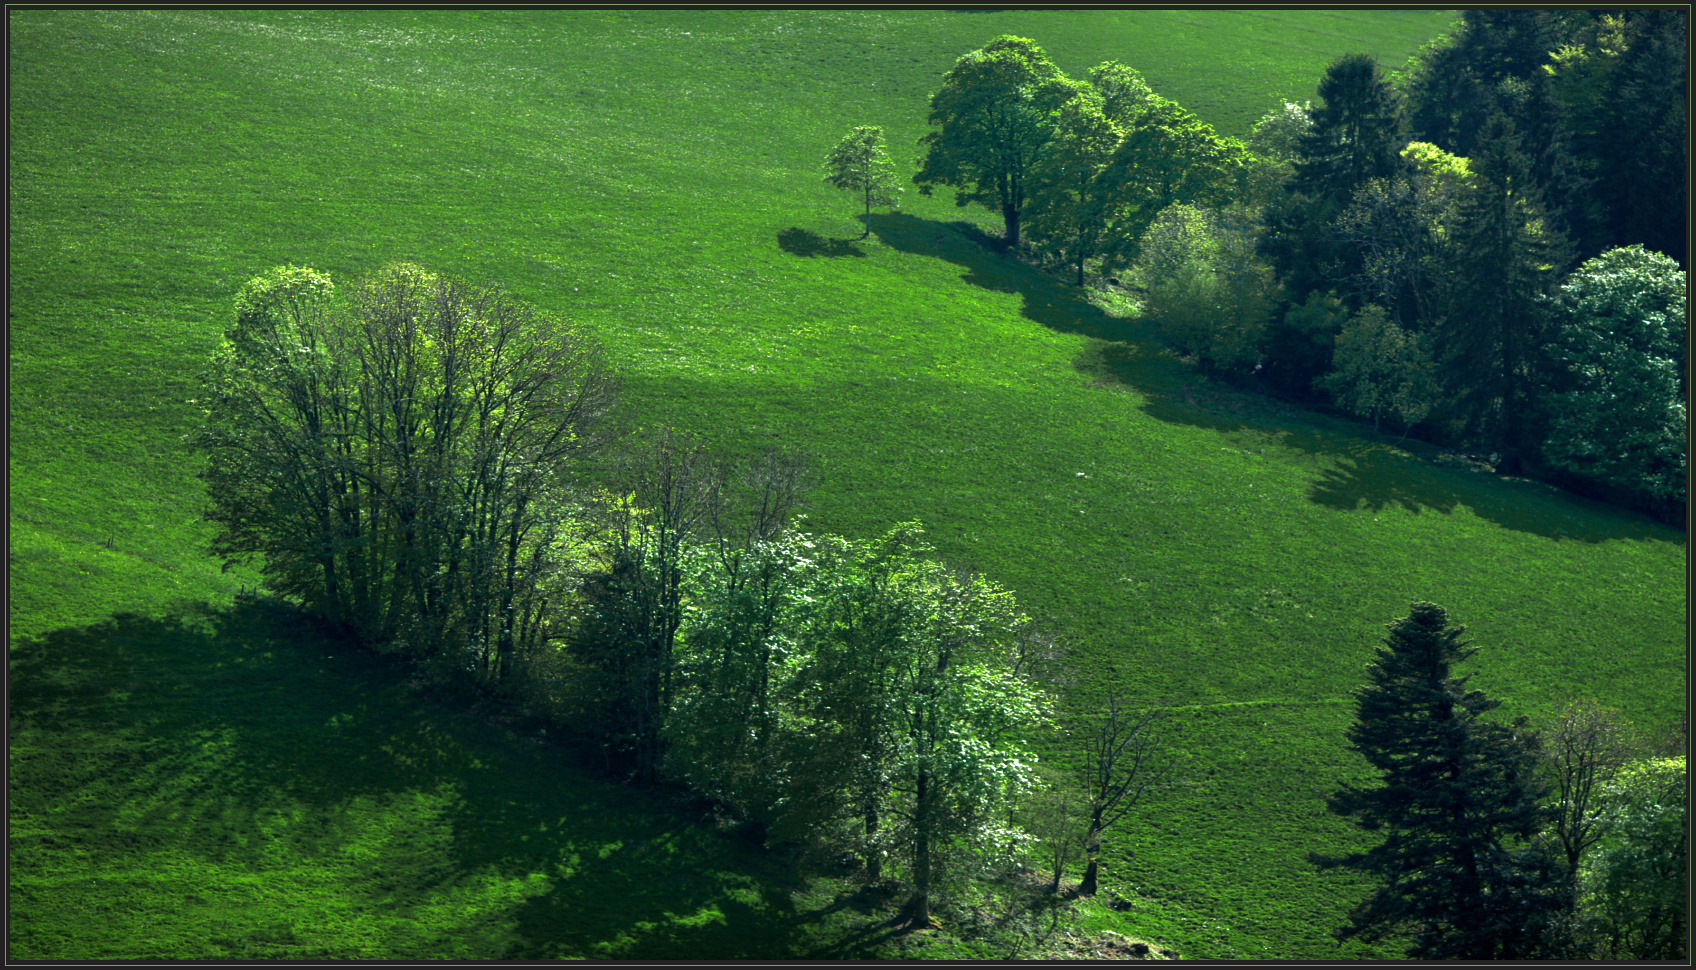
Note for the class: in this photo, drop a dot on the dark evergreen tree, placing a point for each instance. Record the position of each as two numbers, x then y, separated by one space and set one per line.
1644 163
1458 807
1357 133
1508 260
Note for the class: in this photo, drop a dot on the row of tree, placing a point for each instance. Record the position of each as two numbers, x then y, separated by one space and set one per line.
1500 843
438 471
431 467
1399 252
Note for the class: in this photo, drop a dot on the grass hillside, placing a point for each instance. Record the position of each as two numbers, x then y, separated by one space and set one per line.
195 779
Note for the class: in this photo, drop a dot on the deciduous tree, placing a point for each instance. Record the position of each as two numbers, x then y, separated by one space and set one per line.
402 457
1636 888
1618 413
1067 215
1125 761
1379 369
993 115
859 164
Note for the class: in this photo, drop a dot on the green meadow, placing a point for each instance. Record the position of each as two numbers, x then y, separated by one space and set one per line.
197 776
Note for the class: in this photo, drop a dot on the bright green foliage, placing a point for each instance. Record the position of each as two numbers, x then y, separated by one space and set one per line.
1458 796
1207 291
399 458
1279 133
859 164
1380 369
913 708
1124 94
1067 216
993 115
1167 156
1621 344
1635 888
729 733
1451 171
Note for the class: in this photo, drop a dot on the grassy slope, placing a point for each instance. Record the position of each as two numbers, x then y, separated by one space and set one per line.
653 175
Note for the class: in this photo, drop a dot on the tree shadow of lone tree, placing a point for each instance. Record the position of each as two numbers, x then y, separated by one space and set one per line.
800 242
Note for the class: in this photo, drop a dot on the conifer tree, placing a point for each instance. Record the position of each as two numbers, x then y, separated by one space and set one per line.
1458 806
1507 261
1357 134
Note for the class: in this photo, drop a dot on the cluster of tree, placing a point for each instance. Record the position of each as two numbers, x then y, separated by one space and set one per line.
1500 842
1401 252
436 470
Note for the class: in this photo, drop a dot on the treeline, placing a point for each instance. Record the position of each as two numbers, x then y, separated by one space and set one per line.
1486 249
440 473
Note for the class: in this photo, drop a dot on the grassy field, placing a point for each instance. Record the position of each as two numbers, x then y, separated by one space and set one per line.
655 176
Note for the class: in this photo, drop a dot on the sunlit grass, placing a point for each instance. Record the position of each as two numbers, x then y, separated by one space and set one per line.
654 175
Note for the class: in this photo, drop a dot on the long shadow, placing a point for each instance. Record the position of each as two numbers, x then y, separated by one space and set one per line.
198 732
1357 471
801 242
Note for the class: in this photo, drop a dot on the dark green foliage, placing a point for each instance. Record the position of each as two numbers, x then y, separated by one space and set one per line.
1357 132
1643 146
1299 345
1599 99
1507 262
1458 808
668 492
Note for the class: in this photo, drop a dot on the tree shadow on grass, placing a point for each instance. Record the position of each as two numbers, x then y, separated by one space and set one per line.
247 740
1356 470
801 242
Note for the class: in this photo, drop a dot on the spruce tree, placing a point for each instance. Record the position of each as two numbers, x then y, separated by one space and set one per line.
1507 260
1356 134
1458 808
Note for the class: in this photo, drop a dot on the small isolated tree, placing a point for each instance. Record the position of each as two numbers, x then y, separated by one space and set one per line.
1125 760
859 164
1458 807
1620 417
1379 370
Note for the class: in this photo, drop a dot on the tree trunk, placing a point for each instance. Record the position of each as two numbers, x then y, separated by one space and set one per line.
1010 215
868 215
1080 271
874 861
921 856
1093 872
